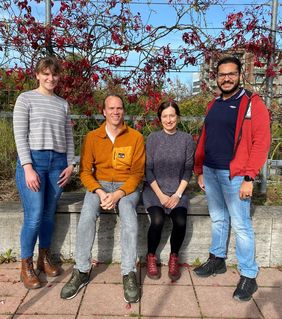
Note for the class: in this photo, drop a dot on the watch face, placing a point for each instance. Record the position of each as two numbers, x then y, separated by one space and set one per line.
248 178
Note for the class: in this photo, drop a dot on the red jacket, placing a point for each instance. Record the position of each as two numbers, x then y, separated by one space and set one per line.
252 139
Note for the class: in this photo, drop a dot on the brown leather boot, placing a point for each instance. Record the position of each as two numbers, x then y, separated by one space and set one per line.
45 264
28 276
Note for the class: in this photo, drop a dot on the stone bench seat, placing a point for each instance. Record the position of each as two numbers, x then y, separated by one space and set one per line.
267 222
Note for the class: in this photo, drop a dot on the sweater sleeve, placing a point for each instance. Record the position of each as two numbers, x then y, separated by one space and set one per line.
200 147
200 153
86 164
150 177
261 137
137 167
21 129
69 139
189 161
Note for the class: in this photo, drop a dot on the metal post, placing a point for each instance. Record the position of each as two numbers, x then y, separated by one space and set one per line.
47 25
269 82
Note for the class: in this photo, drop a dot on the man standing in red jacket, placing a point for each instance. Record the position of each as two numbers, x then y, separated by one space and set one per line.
231 150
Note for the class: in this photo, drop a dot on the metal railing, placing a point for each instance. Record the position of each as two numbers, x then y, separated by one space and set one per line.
83 124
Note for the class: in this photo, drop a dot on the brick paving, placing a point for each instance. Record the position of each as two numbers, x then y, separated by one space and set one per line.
189 297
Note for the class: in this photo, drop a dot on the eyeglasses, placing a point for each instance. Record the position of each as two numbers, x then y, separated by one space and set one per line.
231 75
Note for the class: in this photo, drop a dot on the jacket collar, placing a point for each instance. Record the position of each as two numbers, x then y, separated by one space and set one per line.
236 96
101 131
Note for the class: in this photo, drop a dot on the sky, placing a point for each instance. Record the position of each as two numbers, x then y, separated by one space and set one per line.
214 19
158 12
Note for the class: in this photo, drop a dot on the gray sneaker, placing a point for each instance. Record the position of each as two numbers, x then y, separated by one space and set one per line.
77 281
130 287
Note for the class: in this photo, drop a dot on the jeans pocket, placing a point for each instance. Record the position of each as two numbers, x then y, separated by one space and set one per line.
59 161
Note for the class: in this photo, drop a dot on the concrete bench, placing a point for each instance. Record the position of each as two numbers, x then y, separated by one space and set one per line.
275 167
267 224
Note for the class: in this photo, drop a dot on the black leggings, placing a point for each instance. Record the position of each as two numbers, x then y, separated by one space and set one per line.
178 216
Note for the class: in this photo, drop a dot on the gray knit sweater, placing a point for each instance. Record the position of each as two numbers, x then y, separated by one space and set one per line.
42 123
169 159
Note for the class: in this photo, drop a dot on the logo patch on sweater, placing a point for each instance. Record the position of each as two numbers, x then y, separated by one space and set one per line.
121 155
122 158
233 106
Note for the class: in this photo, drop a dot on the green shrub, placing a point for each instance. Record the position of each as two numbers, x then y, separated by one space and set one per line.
8 151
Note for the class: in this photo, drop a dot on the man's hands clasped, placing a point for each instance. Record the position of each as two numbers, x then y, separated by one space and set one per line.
109 200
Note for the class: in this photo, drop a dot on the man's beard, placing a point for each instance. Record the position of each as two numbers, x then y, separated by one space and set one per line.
229 91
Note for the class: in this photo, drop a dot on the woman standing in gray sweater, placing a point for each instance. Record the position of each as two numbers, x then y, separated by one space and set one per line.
169 163
44 140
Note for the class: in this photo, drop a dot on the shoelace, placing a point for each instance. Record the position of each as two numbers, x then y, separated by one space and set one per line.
152 264
73 278
210 263
49 261
30 269
131 282
173 265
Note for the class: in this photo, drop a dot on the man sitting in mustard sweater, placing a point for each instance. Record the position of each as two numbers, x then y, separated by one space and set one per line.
111 168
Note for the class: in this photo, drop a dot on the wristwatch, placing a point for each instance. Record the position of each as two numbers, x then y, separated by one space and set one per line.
248 178
178 195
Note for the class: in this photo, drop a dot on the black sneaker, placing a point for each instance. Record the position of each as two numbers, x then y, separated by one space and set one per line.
245 289
131 290
214 265
77 281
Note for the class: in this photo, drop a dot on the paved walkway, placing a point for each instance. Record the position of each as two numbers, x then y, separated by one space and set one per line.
190 297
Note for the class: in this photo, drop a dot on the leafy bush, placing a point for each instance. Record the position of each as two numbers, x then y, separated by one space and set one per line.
8 151
195 105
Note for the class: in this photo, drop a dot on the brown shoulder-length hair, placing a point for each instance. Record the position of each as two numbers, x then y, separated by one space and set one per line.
165 105
51 63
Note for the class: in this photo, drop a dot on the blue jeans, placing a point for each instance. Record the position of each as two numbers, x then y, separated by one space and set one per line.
39 207
86 229
224 206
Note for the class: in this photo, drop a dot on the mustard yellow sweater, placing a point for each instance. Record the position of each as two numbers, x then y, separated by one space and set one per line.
123 161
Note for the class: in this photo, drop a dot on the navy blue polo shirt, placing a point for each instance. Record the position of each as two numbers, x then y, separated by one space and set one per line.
220 124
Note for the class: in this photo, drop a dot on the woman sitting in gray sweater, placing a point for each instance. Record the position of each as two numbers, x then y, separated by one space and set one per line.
169 163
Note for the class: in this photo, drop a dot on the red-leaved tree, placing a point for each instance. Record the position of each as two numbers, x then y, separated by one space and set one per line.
107 41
